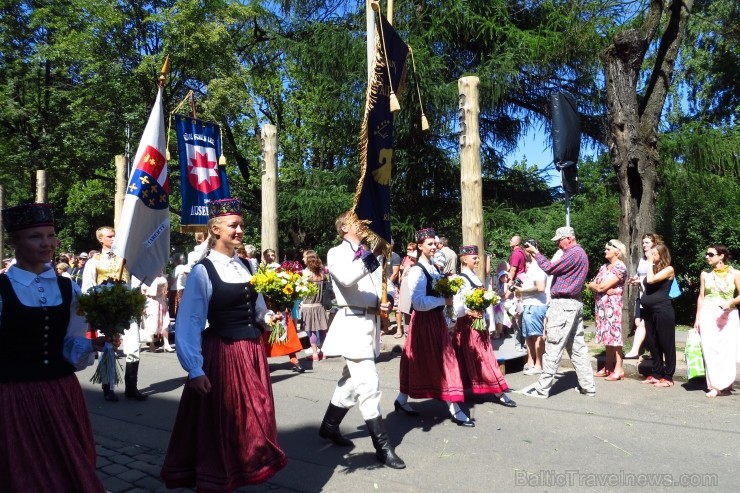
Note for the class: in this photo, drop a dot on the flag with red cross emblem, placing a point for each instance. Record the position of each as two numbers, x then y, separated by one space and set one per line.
201 178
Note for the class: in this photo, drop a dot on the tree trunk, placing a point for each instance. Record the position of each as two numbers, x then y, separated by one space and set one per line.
633 120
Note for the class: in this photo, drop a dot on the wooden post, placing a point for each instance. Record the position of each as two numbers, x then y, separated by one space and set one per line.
41 196
471 182
269 189
121 184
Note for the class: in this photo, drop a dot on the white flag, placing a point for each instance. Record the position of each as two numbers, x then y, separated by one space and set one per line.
143 232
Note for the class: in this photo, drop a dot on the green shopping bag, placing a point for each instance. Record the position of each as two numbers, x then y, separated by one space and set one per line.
694 355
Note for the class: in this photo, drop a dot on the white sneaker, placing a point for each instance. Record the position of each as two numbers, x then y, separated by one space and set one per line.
582 391
533 392
533 371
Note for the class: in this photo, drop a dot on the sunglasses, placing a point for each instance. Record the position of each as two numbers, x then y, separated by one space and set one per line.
609 243
710 254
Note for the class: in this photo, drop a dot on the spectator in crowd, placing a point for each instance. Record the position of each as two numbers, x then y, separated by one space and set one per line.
660 319
62 269
608 286
404 294
313 313
649 241
717 320
79 268
565 315
251 252
450 266
534 309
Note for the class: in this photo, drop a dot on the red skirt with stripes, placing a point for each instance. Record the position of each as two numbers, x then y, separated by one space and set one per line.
479 369
46 440
227 438
429 369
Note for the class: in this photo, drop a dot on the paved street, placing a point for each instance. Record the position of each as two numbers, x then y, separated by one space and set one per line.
628 435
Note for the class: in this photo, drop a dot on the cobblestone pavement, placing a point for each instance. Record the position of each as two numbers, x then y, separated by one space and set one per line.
128 468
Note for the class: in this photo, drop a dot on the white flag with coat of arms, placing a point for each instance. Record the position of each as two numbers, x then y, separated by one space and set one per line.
143 231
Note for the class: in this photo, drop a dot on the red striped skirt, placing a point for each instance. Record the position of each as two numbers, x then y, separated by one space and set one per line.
227 438
46 440
479 369
429 369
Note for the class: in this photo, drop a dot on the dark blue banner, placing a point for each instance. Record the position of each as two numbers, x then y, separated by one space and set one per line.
373 198
201 178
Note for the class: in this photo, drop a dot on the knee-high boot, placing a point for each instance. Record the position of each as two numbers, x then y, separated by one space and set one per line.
131 379
383 449
109 394
330 426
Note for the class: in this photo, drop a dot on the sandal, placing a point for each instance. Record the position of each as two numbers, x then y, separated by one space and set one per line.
614 377
602 373
650 380
664 382
398 335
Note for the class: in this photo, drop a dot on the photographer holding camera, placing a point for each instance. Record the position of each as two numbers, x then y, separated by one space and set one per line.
565 315
531 290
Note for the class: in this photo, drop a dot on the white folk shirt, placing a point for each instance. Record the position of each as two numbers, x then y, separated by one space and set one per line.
77 348
193 312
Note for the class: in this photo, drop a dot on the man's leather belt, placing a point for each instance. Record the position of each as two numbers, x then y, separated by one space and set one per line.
360 311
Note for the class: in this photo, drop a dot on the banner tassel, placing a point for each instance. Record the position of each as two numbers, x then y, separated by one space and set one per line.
424 121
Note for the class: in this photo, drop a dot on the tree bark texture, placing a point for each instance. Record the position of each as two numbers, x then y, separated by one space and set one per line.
632 120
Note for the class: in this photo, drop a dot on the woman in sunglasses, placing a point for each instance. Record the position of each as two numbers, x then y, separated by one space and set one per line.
717 320
607 287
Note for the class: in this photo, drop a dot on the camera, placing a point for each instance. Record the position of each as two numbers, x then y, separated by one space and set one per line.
532 242
517 284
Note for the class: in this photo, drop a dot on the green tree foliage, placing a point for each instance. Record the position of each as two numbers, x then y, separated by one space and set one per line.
74 74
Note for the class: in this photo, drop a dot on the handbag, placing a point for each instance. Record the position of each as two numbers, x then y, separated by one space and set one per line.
327 294
675 291
694 355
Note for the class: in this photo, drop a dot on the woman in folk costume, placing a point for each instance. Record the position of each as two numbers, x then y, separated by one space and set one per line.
46 440
429 368
478 366
225 433
717 320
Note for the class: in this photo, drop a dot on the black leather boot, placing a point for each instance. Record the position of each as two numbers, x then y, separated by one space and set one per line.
108 394
131 378
383 448
330 426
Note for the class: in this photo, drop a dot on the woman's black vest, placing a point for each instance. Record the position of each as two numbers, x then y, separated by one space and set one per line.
32 338
231 311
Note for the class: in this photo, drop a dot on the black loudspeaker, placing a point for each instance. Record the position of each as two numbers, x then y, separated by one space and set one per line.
566 139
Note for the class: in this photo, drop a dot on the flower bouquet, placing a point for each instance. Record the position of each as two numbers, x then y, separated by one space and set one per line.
478 300
446 287
109 309
281 285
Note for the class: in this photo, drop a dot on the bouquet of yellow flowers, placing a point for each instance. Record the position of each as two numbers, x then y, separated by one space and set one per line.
446 287
109 309
478 300
281 285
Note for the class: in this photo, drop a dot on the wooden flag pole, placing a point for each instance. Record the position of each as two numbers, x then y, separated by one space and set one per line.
471 179
269 188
